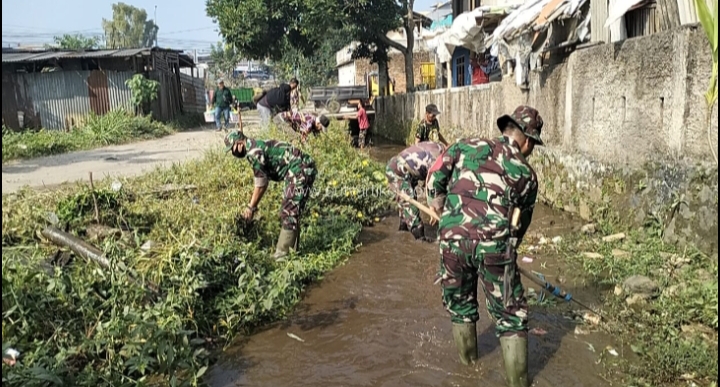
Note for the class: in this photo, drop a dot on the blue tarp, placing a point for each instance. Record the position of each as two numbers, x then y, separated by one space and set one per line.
444 22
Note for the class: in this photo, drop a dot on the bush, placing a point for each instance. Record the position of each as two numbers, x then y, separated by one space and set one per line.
116 127
675 335
79 325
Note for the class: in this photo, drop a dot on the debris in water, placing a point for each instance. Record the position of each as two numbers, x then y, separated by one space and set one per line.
613 352
581 332
528 260
290 335
614 238
592 318
538 332
592 348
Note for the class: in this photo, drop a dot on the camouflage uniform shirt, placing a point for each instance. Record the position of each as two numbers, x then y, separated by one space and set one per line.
417 159
273 160
428 131
475 183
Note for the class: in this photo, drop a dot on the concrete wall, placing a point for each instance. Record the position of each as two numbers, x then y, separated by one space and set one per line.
625 128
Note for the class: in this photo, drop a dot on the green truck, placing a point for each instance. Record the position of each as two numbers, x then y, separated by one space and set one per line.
244 97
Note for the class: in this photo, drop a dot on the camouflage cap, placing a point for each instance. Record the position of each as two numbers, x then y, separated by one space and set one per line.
527 119
231 138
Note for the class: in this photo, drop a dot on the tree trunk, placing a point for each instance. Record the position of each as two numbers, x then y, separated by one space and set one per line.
383 78
410 48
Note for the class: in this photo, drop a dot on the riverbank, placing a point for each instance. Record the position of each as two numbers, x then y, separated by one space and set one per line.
76 324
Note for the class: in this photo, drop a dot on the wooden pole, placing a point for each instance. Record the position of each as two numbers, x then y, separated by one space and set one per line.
95 203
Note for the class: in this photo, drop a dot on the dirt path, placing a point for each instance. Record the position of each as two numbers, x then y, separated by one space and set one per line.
120 160
126 160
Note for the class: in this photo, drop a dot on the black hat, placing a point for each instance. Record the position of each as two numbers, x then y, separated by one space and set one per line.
432 109
324 121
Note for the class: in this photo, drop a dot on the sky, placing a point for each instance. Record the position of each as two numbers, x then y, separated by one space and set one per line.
183 23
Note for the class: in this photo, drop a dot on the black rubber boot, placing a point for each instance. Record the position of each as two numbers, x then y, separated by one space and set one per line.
419 233
403 226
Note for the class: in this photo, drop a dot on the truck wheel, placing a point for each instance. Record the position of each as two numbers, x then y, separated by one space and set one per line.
333 106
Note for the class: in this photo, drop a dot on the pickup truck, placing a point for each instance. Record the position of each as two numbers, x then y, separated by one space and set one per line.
335 98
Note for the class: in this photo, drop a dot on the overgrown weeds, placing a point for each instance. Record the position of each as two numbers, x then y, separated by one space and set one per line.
117 127
78 325
676 334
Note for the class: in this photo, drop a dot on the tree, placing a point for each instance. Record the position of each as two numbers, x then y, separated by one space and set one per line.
262 29
318 69
224 59
77 42
274 28
129 28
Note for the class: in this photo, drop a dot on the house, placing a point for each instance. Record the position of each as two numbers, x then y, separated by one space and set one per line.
56 89
354 71
620 20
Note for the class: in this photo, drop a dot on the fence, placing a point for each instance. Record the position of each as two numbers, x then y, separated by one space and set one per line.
193 93
60 99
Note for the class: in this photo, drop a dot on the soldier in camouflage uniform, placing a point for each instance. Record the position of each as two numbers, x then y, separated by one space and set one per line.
404 172
429 128
474 186
277 161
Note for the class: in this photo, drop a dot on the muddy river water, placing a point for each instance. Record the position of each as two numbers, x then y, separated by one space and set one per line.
378 321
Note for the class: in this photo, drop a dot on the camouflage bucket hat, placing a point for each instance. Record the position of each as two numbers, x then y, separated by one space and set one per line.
527 119
232 138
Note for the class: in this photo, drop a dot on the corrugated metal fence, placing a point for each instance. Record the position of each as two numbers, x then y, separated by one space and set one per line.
58 100
193 94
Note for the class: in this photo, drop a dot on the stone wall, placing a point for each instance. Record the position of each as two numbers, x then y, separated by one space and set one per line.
396 69
625 129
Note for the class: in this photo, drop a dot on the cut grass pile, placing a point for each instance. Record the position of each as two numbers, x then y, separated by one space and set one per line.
79 325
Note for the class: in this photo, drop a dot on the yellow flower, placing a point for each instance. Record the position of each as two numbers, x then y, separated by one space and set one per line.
354 193
347 193
334 183
365 163
377 220
360 215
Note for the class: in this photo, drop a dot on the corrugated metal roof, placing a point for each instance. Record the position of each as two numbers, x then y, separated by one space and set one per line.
17 57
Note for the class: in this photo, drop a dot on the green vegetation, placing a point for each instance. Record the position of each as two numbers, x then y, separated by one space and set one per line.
676 334
709 20
80 325
117 127
143 91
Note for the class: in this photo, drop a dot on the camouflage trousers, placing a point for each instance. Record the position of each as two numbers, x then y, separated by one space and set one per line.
298 184
464 263
399 180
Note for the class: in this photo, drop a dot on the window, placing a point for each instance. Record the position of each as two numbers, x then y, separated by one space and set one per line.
460 71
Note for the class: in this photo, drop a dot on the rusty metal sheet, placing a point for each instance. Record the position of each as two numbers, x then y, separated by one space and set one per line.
97 85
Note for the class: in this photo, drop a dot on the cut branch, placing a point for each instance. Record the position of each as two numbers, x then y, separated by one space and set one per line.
85 250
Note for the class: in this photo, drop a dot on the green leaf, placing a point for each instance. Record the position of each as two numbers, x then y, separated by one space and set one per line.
706 19
201 372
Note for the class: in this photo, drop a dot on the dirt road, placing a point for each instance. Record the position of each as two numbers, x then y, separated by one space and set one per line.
125 160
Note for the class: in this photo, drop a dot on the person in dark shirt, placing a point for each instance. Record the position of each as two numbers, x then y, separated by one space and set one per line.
276 100
222 99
